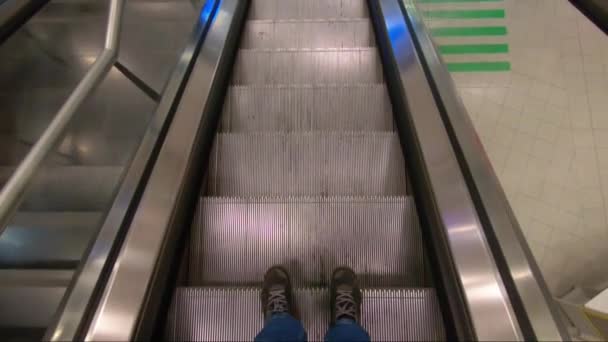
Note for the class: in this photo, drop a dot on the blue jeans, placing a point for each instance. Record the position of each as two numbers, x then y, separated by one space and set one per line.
283 327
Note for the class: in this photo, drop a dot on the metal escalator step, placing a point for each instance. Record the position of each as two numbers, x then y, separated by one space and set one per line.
235 314
307 66
334 33
274 164
69 188
298 9
234 240
47 239
349 107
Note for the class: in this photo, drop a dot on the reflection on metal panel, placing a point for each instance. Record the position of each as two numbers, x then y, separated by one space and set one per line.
118 314
485 296
531 288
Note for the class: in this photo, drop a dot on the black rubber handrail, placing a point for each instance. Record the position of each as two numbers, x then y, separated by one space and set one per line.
595 10
15 13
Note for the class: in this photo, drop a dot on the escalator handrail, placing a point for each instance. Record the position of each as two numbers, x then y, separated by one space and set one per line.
141 277
537 312
16 187
472 292
72 316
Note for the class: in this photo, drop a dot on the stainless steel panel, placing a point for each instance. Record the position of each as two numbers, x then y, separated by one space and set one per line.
483 290
387 315
72 314
538 302
69 188
116 317
44 278
352 107
234 241
47 239
12 151
327 164
24 74
107 128
28 306
308 9
334 33
308 66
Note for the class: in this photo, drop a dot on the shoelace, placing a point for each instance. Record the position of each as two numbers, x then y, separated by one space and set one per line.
346 306
277 300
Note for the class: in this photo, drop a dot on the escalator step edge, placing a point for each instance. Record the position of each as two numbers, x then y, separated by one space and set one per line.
387 314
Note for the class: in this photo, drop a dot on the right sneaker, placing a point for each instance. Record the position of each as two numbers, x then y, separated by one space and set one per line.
345 295
277 292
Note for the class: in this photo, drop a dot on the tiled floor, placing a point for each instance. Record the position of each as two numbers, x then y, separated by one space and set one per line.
542 114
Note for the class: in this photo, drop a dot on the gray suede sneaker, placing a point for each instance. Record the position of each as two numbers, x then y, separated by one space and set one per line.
277 292
345 295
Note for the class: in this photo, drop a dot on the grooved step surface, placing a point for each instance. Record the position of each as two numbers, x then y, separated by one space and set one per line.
349 107
307 66
235 314
234 241
306 9
269 164
335 33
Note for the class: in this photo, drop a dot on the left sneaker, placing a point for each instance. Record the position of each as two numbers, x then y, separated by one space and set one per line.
277 292
345 296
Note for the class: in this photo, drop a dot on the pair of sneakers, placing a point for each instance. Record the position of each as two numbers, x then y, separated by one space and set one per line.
345 300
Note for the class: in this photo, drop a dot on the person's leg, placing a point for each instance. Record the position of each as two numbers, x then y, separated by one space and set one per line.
278 309
346 330
282 327
345 297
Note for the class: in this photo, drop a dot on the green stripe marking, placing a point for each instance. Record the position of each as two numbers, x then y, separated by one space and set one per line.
469 31
465 14
479 67
448 1
459 49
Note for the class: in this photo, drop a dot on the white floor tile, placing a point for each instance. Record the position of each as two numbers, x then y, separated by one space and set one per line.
545 123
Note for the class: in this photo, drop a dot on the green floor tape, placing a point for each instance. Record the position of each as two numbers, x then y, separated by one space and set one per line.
479 67
469 31
465 14
459 49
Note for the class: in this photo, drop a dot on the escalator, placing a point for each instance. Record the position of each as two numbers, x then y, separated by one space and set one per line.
310 136
306 172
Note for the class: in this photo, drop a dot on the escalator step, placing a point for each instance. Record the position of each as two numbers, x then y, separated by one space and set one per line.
307 66
69 188
235 240
327 164
352 107
234 314
298 9
334 33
